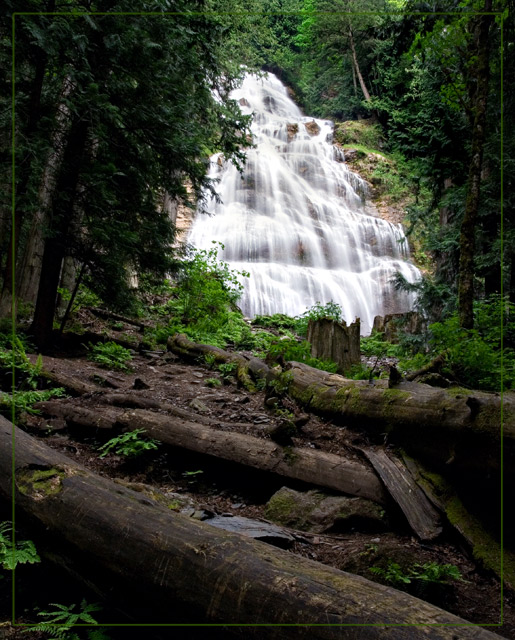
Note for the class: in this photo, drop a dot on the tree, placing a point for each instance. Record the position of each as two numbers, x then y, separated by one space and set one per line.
143 117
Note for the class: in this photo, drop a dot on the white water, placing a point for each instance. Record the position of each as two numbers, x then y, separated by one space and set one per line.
296 222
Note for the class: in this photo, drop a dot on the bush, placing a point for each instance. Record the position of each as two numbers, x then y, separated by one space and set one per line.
474 356
110 355
330 310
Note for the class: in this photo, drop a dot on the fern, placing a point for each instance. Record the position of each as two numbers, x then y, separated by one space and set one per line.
60 621
23 552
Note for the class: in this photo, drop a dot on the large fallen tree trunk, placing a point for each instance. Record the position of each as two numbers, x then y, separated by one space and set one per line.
222 577
308 465
455 428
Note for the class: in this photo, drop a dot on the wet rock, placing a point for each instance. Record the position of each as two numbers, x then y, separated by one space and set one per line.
312 128
266 532
292 129
317 512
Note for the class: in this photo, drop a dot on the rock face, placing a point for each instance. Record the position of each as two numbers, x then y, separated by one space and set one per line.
316 512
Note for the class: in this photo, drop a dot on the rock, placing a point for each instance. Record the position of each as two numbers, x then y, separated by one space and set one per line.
292 129
244 102
260 419
301 420
272 402
198 405
263 531
139 384
317 512
283 433
312 128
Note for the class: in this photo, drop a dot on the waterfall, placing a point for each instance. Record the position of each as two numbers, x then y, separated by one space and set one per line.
295 219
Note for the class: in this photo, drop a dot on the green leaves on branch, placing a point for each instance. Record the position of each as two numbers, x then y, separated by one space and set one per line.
131 444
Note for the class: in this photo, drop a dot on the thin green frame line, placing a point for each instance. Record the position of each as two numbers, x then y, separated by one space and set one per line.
13 314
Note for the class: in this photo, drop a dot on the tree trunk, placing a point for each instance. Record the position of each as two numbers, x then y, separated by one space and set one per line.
468 225
445 426
331 340
356 66
56 244
454 427
174 562
308 465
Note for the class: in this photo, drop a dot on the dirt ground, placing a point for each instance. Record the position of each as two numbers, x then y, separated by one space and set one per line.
223 488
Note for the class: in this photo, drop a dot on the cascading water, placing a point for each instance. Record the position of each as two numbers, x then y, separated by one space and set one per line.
295 222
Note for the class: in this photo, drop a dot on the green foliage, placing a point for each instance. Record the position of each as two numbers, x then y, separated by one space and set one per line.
428 573
330 310
376 345
227 369
131 444
291 349
359 372
23 400
275 321
110 355
213 382
203 303
474 357
12 353
60 621
359 132
22 552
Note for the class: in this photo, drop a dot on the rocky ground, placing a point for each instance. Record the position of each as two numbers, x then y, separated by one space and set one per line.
204 487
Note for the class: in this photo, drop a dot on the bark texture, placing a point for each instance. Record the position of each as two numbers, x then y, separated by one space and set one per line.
308 465
331 340
220 576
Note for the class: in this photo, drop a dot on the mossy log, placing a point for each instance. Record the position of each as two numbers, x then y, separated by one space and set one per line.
202 573
182 346
308 465
455 428
486 550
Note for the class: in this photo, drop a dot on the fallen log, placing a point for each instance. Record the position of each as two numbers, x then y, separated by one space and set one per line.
421 515
74 385
183 346
308 465
109 315
173 561
456 428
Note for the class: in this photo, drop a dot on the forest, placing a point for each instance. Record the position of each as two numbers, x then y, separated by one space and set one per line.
156 430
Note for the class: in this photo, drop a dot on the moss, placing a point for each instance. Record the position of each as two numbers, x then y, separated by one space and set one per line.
290 455
40 482
485 549
280 506
489 419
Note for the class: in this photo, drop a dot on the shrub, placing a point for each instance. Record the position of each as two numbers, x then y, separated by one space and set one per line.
474 356
316 312
130 444
110 355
